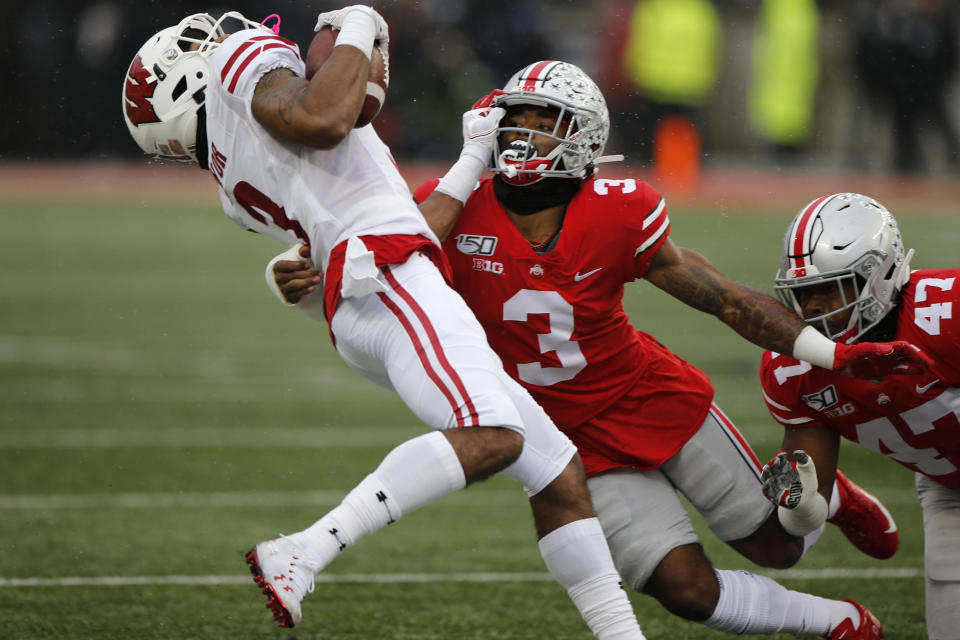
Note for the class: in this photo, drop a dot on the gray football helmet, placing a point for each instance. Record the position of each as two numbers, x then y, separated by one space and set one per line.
844 237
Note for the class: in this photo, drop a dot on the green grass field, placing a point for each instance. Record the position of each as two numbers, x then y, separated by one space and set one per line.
161 413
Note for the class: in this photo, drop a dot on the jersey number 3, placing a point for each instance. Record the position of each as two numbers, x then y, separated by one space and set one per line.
560 313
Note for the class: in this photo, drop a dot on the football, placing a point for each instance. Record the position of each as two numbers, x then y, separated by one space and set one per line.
320 49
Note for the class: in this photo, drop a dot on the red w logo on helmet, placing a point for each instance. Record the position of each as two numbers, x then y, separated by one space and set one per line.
137 90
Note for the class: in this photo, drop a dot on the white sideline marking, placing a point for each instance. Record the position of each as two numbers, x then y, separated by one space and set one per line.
384 578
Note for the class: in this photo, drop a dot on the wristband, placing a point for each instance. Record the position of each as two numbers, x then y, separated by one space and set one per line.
460 181
293 253
359 30
806 517
811 346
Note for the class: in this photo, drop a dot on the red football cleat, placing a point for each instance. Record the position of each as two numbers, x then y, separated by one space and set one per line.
868 629
864 520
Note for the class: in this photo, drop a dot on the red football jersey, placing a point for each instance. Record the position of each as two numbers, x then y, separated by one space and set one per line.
557 319
911 419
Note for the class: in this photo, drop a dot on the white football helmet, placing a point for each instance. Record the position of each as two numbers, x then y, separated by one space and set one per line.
583 123
164 87
845 237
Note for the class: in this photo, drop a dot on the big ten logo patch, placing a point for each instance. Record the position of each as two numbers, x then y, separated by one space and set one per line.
473 245
482 264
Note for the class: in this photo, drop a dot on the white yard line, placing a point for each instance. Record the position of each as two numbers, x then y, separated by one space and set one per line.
383 578
208 499
484 496
268 437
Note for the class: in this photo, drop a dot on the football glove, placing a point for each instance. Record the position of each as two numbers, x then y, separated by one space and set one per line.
479 133
876 361
792 486
487 101
334 19
781 479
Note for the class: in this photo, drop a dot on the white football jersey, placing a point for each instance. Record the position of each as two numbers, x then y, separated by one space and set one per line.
289 191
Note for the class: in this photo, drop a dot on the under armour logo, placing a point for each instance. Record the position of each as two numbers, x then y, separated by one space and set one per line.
382 497
334 532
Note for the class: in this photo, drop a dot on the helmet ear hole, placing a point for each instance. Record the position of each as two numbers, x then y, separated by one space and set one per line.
179 89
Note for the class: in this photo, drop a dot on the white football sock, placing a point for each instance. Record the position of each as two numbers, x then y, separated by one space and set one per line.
834 505
577 556
811 538
413 474
753 604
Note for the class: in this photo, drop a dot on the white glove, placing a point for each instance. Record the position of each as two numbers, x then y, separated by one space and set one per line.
335 20
792 486
479 134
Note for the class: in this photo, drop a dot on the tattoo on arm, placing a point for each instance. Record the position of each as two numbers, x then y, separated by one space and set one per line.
285 104
754 315
271 94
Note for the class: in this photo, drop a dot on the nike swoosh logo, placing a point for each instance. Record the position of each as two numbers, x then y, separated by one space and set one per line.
580 276
923 389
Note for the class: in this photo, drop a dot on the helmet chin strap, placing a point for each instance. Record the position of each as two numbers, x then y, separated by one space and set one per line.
202 138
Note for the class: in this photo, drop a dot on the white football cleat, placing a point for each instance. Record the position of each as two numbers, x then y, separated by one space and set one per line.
285 576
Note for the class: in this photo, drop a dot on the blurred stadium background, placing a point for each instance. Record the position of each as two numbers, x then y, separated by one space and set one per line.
792 83
159 412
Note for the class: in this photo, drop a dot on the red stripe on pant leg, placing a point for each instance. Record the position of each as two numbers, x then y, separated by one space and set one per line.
421 353
735 435
437 346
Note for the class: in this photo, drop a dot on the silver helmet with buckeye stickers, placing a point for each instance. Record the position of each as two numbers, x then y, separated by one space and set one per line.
581 131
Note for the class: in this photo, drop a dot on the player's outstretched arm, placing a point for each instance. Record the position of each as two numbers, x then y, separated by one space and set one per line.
442 207
691 278
321 112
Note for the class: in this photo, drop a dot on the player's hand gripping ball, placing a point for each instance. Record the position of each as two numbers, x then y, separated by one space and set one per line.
320 49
